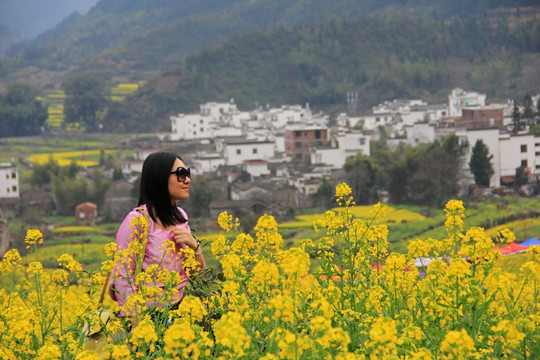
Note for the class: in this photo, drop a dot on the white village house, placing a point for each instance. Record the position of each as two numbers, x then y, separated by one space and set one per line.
9 181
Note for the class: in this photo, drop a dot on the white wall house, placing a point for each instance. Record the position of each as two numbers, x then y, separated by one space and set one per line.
278 118
207 162
420 133
9 181
519 150
348 122
256 168
421 113
225 131
371 122
397 106
134 165
343 145
191 126
219 111
236 151
460 98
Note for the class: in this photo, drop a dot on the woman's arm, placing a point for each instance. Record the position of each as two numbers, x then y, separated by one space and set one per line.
182 235
122 282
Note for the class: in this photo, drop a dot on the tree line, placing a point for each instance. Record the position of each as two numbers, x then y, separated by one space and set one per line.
428 174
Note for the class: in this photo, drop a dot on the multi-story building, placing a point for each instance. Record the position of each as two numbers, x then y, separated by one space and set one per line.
9 181
460 98
481 117
300 139
236 150
342 146
519 150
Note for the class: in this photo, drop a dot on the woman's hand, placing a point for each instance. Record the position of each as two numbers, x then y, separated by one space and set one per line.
183 236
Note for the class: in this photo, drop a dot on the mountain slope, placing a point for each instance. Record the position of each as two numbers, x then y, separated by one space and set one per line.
132 40
382 57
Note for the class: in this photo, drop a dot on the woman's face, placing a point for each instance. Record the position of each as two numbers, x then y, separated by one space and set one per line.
178 190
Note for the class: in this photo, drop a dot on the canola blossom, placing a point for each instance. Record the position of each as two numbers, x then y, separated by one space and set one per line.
343 296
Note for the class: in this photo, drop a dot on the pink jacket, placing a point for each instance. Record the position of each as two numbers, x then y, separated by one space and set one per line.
119 285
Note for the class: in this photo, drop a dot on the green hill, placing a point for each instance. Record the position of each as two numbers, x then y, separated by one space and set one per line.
133 40
380 56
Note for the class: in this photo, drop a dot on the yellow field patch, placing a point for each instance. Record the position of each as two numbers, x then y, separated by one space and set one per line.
65 229
514 226
393 215
65 158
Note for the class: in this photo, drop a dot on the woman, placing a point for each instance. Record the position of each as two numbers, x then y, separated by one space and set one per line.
165 179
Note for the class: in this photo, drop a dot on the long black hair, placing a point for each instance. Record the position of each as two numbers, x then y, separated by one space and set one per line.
154 191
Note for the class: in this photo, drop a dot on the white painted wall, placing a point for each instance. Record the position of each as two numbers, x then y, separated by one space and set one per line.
9 181
518 150
420 134
207 162
490 137
190 126
236 152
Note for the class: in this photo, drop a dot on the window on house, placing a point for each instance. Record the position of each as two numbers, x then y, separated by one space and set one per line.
13 175
524 148
537 153
238 151
317 134
537 144
14 188
7 189
254 150
298 145
524 163
7 176
297 133
362 141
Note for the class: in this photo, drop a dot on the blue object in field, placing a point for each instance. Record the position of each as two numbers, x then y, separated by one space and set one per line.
531 241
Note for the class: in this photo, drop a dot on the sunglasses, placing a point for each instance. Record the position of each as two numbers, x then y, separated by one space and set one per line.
182 174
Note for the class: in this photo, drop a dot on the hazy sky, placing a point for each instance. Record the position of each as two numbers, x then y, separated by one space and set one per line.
31 17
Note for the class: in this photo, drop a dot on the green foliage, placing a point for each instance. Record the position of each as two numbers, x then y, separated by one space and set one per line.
381 57
71 191
521 177
528 110
324 197
21 113
480 163
363 178
517 123
201 195
86 96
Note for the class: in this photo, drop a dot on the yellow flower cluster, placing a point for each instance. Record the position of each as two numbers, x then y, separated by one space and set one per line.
33 239
341 297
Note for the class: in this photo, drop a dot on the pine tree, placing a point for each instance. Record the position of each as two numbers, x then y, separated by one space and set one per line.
480 163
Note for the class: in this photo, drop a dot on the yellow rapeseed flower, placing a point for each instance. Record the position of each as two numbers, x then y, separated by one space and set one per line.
458 345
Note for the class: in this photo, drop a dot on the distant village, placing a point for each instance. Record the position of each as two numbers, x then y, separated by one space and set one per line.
282 154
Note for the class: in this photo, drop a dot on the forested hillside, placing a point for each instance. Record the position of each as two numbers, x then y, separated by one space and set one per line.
380 56
133 40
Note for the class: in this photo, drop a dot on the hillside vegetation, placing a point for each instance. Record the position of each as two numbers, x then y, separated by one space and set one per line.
134 40
379 56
